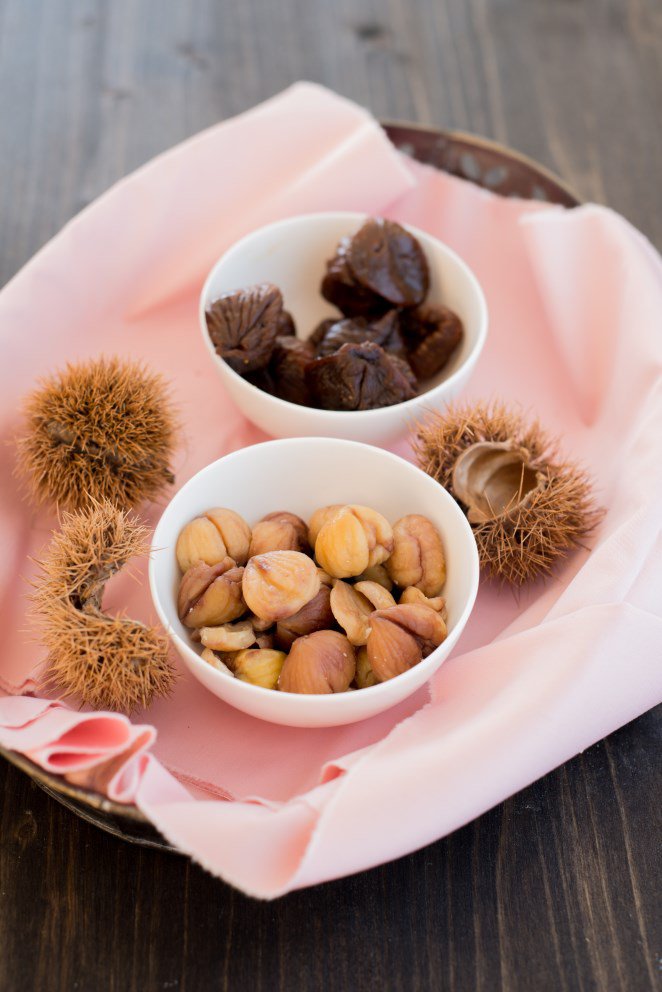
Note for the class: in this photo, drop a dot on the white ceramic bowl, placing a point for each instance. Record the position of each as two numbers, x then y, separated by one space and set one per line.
301 475
292 254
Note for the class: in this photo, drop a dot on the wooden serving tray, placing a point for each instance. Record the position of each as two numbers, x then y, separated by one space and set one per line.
476 159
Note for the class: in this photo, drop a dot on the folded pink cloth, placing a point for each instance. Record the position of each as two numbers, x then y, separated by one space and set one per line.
574 299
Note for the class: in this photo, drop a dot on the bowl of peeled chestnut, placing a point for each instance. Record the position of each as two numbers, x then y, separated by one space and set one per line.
341 325
313 582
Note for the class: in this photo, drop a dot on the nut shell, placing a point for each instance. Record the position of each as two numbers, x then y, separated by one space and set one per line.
319 663
418 557
278 584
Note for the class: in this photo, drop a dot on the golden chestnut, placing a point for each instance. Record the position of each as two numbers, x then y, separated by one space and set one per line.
413 595
319 518
259 666
299 525
418 555
210 595
315 615
365 677
323 662
229 636
216 661
376 594
214 535
401 636
352 611
234 530
376 573
277 584
198 541
279 532
353 539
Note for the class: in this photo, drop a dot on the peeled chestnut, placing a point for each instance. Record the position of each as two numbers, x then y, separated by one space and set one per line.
279 531
277 584
418 555
259 666
210 595
323 662
352 611
319 518
413 595
212 536
315 615
365 677
401 636
353 539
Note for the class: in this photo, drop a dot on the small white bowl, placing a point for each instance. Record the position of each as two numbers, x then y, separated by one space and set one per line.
292 254
301 475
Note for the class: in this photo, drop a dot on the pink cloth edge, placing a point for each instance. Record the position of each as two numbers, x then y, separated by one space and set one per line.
335 786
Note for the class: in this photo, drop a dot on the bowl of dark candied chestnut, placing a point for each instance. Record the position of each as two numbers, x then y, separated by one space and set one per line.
313 581
341 325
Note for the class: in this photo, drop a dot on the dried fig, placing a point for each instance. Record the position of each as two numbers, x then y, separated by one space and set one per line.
431 334
320 332
286 326
386 259
243 326
288 364
341 288
358 377
355 330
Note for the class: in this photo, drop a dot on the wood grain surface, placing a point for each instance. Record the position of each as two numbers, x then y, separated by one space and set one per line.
556 889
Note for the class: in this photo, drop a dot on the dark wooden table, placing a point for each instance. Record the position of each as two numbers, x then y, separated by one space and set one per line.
555 889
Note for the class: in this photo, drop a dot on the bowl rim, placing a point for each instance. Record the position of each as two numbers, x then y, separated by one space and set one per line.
321 702
405 406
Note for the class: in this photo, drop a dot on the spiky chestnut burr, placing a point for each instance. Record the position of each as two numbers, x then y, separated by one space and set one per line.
527 505
100 429
107 662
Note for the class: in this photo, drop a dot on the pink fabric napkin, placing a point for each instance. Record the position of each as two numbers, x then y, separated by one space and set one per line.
574 299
